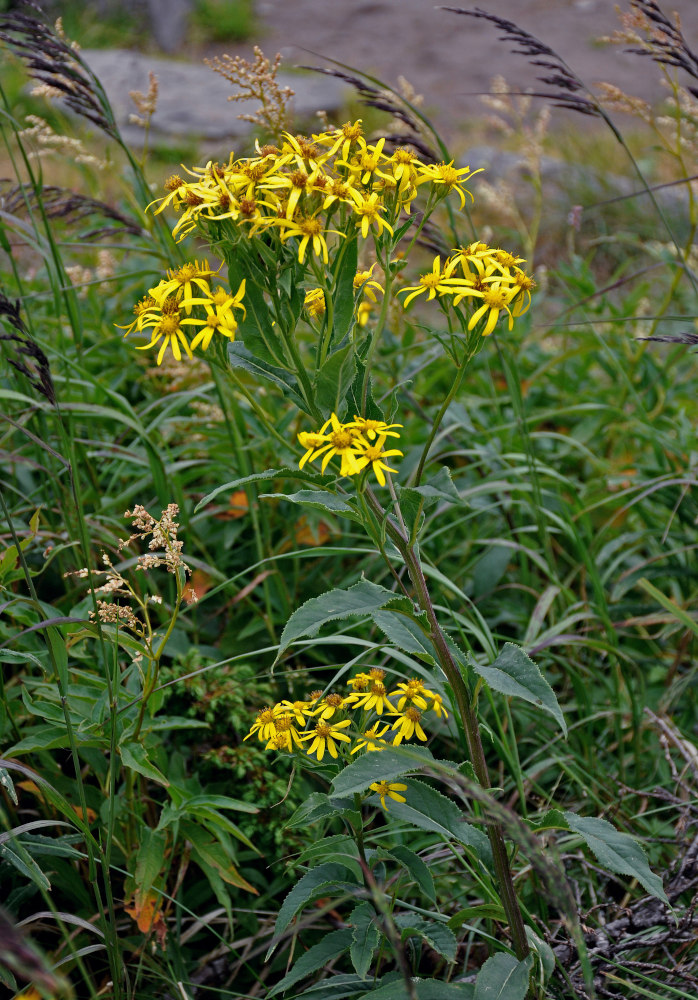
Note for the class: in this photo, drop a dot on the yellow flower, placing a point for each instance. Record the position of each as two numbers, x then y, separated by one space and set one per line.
430 283
306 228
375 698
314 302
181 280
166 326
147 306
324 736
437 705
390 790
330 704
496 299
360 682
219 306
374 455
412 691
371 739
407 725
298 709
264 725
369 210
343 440
448 177
372 428
342 137
363 282
311 442
284 727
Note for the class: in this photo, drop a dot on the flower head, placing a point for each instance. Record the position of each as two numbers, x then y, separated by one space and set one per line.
388 789
324 737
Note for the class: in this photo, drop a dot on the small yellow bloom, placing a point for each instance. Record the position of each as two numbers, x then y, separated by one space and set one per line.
371 739
448 177
363 282
264 725
408 725
375 698
314 302
369 210
390 790
431 283
411 692
374 455
324 736
372 428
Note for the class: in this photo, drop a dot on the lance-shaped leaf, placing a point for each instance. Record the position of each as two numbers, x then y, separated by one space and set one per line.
315 882
619 852
413 864
383 765
404 632
515 674
258 477
365 938
503 977
240 356
320 500
361 599
334 379
330 948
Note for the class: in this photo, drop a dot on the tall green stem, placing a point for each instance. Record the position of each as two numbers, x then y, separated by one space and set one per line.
470 725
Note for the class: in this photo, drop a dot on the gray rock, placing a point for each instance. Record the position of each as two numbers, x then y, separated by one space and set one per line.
193 100
169 20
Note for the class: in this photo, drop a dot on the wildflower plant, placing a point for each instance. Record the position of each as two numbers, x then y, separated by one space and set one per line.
318 235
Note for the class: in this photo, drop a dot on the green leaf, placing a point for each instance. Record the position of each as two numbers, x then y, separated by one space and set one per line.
334 379
481 911
331 947
7 783
134 755
318 806
256 477
240 357
414 865
619 852
439 487
428 809
344 294
320 499
314 882
340 847
150 860
404 632
335 988
211 855
19 857
50 738
361 599
365 938
382 765
515 675
20 656
426 989
503 977
438 935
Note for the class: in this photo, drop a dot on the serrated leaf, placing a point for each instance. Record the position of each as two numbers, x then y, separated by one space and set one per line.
361 599
239 356
333 381
340 847
428 809
417 868
318 806
320 499
438 935
365 938
515 675
382 765
406 634
619 852
312 882
317 957
503 977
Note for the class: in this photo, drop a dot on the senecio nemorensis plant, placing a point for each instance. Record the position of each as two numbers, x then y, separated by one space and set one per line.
317 237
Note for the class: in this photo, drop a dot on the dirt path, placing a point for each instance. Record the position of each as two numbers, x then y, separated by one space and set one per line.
450 58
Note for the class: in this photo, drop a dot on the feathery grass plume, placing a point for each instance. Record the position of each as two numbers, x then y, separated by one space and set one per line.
38 373
62 203
571 90
54 62
257 80
146 104
663 39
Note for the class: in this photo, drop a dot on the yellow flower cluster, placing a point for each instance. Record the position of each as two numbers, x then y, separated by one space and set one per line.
318 724
364 285
186 298
479 272
359 443
296 188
